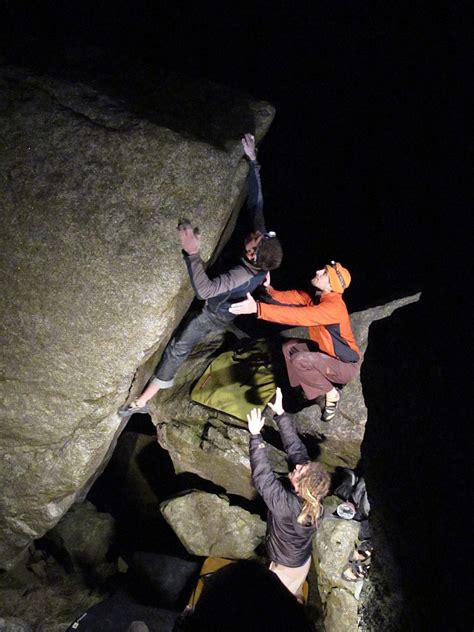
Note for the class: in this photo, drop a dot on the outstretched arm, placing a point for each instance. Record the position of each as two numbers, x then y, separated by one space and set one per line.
264 479
294 447
296 315
287 299
203 286
255 196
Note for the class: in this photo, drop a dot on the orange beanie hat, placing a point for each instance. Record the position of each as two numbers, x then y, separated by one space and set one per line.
339 277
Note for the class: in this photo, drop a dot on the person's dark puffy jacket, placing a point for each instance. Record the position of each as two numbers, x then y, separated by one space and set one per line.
287 541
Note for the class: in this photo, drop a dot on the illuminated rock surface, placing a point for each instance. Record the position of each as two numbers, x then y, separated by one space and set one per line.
208 525
92 278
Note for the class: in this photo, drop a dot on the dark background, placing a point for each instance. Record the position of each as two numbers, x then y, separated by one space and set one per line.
350 166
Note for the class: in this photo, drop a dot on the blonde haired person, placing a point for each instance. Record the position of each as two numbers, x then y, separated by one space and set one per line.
294 507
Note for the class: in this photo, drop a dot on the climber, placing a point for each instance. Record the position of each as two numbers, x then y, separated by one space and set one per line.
263 252
294 511
337 359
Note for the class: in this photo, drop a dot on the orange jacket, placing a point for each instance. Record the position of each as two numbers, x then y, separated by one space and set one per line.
328 321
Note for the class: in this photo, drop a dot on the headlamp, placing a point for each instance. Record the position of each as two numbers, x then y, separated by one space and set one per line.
333 265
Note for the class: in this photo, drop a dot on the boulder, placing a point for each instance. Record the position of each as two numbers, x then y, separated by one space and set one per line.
86 535
341 612
92 279
332 547
216 451
44 602
208 525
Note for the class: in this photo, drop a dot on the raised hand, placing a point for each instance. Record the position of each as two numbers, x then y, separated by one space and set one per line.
249 306
248 142
277 406
255 421
189 237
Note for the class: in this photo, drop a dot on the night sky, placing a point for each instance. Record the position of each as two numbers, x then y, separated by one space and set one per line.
350 163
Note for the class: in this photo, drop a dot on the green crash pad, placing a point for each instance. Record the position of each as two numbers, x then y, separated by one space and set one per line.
237 381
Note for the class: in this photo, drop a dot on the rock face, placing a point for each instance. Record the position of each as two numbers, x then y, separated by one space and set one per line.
40 594
92 279
86 535
207 525
216 451
13 624
332 547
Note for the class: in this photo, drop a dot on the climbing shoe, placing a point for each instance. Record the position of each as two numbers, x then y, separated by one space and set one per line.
355 571
133 408
363 553
330 408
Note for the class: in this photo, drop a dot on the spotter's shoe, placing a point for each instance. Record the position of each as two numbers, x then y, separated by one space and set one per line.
330 408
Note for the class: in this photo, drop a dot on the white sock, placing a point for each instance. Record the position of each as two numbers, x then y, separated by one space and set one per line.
332 395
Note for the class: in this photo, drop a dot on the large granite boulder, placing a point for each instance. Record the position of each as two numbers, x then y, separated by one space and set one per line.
92 278
208 525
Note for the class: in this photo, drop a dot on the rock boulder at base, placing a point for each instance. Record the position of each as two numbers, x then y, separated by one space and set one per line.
208 525
217 452
92 278
86 534
332 547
